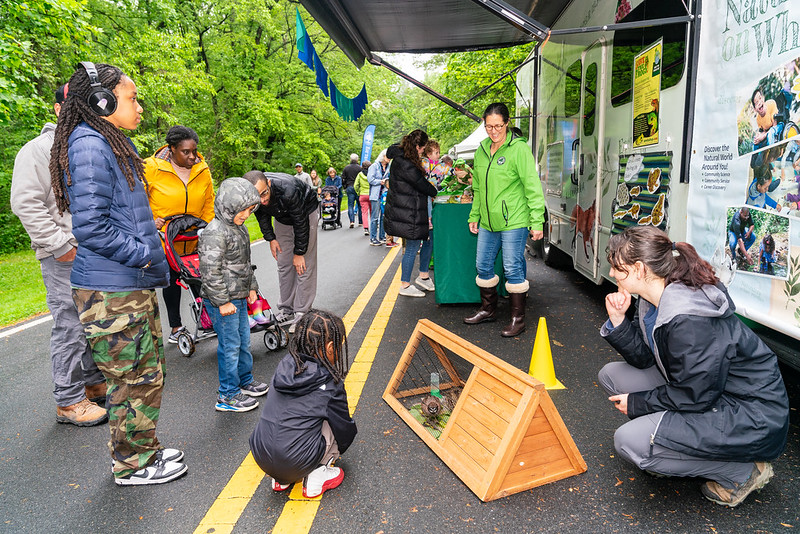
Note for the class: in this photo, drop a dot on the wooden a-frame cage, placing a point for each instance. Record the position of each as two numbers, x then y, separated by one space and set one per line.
493 425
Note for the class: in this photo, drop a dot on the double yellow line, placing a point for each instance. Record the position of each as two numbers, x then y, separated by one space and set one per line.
299 513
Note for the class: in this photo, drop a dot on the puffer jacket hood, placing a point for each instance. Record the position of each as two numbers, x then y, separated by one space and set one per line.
234 195
311 378
708 301
224 247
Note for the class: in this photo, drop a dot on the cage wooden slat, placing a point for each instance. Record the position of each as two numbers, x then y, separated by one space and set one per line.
471 447
484 416
500 389
498 405
480 432
536 473
444 360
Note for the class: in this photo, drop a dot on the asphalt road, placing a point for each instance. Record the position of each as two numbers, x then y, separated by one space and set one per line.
56 478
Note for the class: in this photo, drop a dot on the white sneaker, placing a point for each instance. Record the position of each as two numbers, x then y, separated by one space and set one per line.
284 318
321 479
297 317
411 291
277 486
158 472
425 283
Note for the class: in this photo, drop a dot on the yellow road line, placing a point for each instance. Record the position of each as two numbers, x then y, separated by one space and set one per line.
234 497
299 513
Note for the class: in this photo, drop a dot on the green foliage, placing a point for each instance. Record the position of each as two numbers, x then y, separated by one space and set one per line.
21 288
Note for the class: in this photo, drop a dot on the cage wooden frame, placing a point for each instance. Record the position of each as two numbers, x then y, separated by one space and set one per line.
504 434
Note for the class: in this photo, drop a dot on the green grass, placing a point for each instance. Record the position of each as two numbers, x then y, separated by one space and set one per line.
22 292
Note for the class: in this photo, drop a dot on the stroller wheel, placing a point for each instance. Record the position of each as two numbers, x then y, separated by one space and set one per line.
186 344
283 336
271 340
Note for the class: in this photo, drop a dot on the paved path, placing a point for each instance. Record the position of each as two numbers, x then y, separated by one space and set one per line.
55 478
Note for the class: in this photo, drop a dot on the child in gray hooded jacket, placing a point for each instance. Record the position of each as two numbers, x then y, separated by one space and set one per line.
228 285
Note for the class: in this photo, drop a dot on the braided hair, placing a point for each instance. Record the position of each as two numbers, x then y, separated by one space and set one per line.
313 332
74 111
176 134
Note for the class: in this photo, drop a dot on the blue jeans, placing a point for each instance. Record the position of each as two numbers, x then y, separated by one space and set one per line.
513 244
733 240
352 200
234 360
407 264
375 221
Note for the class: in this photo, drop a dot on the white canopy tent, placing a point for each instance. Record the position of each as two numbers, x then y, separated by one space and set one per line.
466 148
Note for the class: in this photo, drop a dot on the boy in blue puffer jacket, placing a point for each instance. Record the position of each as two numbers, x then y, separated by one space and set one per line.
97 175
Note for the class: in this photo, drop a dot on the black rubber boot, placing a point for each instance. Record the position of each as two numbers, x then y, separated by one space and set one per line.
488 306
517 325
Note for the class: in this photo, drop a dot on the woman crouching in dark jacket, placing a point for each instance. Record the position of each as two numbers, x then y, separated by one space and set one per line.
704 393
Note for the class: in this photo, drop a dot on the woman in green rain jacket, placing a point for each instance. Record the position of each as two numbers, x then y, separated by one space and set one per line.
508 203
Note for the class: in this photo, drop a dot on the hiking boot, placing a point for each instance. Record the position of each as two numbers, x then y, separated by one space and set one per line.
759 477
425 283
173 336
158 472
277 486
96 393
238 403
83 413
411 291
322 478
255 389
169 455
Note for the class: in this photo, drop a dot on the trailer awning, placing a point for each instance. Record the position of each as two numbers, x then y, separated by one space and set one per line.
423 26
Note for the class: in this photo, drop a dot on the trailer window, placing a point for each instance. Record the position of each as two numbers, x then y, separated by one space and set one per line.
628 43
572 89
589 99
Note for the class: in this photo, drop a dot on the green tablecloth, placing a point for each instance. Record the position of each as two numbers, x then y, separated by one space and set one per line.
454 249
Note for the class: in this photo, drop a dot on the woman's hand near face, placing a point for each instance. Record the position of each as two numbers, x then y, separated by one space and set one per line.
616 306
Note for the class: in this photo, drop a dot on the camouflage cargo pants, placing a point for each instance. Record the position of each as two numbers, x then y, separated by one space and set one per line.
124 332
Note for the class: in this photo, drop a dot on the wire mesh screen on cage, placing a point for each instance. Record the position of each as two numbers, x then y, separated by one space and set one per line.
432 384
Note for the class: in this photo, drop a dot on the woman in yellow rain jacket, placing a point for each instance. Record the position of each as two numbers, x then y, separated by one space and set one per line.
178 183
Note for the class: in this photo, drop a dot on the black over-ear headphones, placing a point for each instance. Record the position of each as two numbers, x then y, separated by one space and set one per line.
100 100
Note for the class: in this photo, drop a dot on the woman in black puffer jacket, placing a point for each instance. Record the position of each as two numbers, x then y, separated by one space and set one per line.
406 212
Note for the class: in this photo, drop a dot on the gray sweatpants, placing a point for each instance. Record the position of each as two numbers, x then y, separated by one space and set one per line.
632 440
297 291
70 354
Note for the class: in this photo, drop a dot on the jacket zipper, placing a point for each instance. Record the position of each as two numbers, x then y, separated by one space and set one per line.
486 189
655 431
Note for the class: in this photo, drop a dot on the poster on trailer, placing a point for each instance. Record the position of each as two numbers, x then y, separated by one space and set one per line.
646 95
742 212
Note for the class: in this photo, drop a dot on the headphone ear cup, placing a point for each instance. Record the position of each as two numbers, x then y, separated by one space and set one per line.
102 102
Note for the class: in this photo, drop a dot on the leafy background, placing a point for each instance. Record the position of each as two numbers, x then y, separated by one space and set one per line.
228 69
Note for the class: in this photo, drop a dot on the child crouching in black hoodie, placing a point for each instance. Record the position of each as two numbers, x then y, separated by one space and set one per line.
305 424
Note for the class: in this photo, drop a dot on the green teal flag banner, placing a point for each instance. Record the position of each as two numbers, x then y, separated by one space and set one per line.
349 109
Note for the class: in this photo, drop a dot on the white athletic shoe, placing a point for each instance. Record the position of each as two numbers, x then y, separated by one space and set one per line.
425 283
321 479
411 291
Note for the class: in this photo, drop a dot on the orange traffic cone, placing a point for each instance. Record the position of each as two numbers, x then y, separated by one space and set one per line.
542 359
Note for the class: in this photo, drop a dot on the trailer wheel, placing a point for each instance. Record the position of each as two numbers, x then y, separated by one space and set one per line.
552 256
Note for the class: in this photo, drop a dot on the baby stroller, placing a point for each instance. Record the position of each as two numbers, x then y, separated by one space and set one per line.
330 213
184 229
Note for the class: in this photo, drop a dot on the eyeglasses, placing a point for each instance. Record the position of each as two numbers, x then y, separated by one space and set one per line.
495 127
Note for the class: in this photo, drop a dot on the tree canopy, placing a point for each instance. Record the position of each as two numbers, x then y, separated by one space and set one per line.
228 69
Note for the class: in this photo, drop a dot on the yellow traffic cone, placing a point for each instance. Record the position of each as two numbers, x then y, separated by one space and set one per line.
542 359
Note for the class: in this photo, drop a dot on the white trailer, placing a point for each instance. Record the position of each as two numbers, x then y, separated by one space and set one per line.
617 148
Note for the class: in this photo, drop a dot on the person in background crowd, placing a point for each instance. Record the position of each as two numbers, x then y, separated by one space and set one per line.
78 385
407 210
97 175
178 183
292 240
377 176
349 174
502 214
316 181
303 176
704 394
362 190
